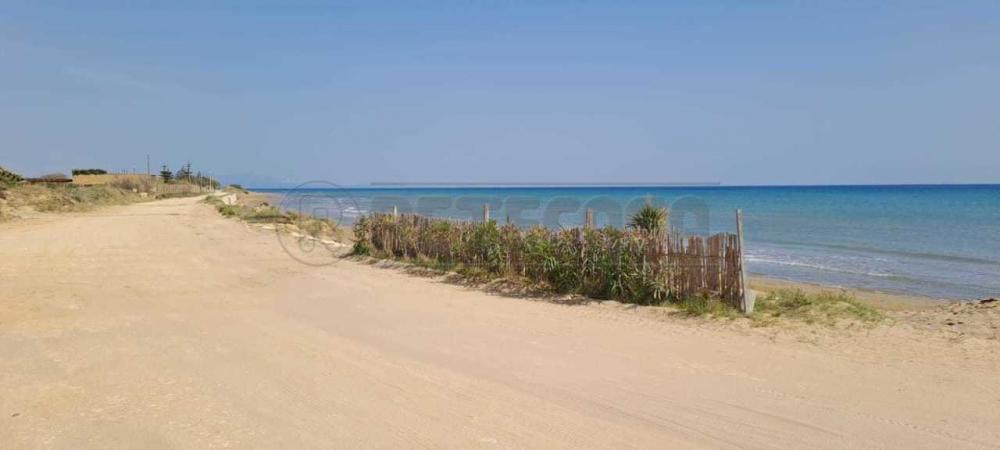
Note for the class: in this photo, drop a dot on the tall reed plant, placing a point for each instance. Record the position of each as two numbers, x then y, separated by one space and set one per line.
607 263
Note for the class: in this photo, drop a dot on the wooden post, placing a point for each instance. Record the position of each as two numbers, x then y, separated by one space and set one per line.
747 298
486 212
589 220
395 212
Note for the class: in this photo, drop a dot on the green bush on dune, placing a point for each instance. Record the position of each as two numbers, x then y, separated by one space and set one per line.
826 308
89 172
605 263
264 213
8 178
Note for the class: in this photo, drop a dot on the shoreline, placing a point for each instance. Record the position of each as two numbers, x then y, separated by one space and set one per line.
889 301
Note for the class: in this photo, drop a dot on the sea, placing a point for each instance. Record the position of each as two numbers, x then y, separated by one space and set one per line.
939 241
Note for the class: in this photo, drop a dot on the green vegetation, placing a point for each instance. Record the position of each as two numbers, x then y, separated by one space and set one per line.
265 213
199 180
89 172
8 178
166 174
187 175
650 219
826 308
184 173
700 306
258 214
605 263
213 200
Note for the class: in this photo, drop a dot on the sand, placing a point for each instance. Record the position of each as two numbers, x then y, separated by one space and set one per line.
161 325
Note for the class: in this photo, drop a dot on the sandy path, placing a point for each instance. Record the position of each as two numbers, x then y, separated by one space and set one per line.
163 325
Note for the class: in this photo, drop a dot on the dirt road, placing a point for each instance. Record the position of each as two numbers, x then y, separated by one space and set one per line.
163 325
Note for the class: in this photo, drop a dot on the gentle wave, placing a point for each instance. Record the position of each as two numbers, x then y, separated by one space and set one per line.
787 262
882 251
856 249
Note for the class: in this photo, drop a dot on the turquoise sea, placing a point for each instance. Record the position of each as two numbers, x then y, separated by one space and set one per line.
932 240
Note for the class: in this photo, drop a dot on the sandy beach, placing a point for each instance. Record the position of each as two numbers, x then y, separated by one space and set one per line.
163 324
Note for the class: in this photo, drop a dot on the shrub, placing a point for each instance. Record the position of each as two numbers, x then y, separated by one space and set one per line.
263 214
8 178
606 263
230 210
89 172
650 219
166 174
827 308
704 305
259 214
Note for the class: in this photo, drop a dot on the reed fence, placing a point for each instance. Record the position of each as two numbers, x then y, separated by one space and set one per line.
634 266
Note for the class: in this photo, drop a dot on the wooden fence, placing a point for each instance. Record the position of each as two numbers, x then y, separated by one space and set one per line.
713 264
630 265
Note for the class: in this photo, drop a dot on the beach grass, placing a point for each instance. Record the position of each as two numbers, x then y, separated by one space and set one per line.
825 308
604 263
262 212
706 306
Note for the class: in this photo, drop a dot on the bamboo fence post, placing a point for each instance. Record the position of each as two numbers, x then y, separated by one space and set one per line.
746 297
486 212
589 221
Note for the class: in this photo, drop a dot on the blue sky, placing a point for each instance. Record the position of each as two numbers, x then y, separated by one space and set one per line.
354 92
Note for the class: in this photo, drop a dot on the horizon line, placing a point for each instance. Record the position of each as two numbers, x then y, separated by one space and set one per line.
720 185
539 184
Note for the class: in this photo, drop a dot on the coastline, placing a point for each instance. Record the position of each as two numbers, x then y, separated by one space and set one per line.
884 238
888 301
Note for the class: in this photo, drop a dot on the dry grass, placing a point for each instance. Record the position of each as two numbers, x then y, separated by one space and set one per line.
66 197
135 183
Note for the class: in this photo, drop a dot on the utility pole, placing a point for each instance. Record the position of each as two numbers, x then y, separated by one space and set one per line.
147 163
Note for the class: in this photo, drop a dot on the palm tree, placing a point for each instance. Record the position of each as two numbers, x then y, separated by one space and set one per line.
650 219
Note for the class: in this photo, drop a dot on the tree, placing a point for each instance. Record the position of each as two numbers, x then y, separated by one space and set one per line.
89 171
184 173
650 219
166 174
9 178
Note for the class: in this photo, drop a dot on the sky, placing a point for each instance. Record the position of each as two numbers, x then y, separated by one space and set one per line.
277 93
